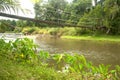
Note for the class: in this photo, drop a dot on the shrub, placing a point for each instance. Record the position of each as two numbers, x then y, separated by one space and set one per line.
19 60
32 30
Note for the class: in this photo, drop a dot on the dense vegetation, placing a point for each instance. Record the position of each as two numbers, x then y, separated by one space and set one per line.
19 60
102 18
8 5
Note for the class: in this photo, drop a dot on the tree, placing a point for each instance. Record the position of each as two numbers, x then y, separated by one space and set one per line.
8 5
51 11
112 16
105 17
78 8
7 25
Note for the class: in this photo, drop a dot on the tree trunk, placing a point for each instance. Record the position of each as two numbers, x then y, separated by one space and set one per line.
108 31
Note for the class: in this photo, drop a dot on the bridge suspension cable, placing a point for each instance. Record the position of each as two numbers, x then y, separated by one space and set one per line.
41 21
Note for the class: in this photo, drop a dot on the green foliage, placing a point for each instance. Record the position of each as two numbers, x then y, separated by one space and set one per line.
6 25
32 30
18 30
69 31
44 55
19 50
25 48
15 71
78 64
43 58
21 61
104 17
117 75
58 57
53 31
8 5
52 10
79 8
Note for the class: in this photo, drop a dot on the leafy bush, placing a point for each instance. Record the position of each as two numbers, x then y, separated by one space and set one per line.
20 49
30 30
53 31
21 61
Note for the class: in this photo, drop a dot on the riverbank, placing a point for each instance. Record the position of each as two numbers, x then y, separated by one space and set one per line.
95 38
19 60
84 37
70 33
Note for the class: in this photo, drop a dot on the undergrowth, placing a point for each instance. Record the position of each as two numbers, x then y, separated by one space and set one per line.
20 61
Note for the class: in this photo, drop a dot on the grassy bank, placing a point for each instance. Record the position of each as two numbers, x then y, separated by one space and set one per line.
71 33
12 70
20 61
94 38
54 30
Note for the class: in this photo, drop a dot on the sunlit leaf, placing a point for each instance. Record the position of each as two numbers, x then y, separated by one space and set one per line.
35 1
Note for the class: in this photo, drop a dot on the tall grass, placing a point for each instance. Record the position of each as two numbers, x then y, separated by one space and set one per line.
95 38
55 30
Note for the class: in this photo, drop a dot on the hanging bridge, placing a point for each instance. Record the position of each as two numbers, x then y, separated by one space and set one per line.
41 21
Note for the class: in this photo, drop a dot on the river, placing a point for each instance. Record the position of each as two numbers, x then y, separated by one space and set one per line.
98 52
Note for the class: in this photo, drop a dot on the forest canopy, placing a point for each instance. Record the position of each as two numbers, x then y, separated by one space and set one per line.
103 16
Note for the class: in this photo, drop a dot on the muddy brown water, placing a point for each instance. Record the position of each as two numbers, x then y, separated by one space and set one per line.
98 52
